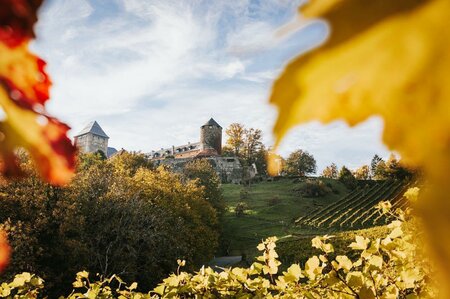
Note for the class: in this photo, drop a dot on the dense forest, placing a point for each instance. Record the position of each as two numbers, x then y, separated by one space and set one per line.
118 216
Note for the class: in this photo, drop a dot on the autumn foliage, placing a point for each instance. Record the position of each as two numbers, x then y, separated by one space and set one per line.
24 91
382 58
388 59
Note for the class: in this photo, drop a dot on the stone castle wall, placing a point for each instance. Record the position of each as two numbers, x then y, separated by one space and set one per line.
229 169
211 138
90 143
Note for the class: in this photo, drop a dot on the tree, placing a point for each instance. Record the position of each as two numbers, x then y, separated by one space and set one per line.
252 144
330 171
135 221
346 177
300 163
243 143
374 164
395 170
202 171
236 136
261 160
129 162
362 173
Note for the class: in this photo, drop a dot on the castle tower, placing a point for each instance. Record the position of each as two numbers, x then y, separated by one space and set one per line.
211 136
92 139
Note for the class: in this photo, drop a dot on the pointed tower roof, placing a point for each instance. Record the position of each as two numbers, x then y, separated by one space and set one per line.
212 122
94 128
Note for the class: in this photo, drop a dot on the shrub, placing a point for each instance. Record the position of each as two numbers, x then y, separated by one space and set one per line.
314 188
240 209
346 177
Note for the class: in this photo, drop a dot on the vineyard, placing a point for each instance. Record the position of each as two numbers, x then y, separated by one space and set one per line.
358 208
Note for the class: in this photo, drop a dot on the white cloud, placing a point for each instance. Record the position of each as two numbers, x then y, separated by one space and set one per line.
253 37
151 72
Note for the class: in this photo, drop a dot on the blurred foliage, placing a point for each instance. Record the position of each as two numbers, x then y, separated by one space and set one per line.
24 92
387 59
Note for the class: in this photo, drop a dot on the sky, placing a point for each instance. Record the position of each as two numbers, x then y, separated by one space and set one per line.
152 72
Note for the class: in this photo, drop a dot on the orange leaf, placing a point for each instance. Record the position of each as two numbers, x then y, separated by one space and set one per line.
24 90
5 251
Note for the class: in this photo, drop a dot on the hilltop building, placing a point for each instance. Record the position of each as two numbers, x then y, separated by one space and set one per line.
93 139
210 144
209 147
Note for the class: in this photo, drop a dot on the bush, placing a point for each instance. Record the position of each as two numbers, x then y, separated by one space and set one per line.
346 177
240 209
314 188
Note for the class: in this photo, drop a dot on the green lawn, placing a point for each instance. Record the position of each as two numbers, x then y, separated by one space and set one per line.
242 234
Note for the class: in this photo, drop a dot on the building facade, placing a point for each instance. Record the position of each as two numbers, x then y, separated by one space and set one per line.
93 139
229 169
210 144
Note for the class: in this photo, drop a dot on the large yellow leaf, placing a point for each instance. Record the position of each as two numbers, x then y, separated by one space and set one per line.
389 59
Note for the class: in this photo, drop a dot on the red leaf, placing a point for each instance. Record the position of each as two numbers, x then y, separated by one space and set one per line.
17 18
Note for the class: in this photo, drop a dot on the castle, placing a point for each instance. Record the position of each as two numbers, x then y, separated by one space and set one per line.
93 139
210 145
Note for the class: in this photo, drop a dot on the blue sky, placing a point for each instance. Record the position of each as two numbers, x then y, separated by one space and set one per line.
152 72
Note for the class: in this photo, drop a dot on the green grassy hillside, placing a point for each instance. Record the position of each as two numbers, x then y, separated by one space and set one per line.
272 209
282 208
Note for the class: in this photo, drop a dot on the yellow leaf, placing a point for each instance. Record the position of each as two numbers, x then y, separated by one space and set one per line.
396 232
312 267
360 243
412 194
355 279
366 293
133 286
389 59
294 272
344 262
391 292
379 60
83 274
376 261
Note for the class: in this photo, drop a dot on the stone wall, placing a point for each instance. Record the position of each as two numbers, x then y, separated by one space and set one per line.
90 143
211 137
229 169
